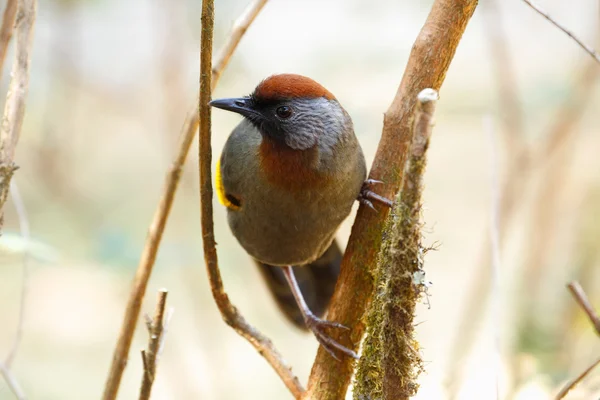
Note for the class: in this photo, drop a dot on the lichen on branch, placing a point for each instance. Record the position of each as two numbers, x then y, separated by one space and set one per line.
390 363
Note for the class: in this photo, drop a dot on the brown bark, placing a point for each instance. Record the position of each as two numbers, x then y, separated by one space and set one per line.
229 312
159 221
430 58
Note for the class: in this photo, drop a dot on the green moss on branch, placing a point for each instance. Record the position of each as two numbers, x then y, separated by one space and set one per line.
390 363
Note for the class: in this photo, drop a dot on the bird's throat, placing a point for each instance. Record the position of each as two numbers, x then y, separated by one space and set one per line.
289 168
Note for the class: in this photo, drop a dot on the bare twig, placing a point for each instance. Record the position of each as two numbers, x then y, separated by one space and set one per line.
159 220
14 108
434 47
6 31
582 299
12 383
228 311
584 46
151 355
571 384
240 26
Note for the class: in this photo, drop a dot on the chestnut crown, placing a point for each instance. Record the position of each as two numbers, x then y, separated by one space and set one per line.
292 110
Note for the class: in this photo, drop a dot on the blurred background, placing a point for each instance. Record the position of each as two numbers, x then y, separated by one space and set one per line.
111 84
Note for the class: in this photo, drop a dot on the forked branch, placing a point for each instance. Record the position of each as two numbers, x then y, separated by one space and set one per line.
156 330
229 312
429 60
159 221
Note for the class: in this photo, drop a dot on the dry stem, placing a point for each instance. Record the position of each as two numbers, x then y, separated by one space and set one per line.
6 31
14 108
571 384
150 356
390 363
584 46
228 311
161 214
581 299
434 47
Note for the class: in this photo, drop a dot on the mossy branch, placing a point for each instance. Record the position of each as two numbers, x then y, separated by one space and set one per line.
428 63
390 364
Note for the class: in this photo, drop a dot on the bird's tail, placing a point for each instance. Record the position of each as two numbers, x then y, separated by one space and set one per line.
316 281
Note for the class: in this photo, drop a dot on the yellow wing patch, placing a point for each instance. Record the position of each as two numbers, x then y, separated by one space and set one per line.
221 190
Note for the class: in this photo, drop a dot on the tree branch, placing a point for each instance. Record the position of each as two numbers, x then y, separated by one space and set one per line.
544 14
6 31
581 299
159 221
434 48
390 364
14 108
150 356
228 311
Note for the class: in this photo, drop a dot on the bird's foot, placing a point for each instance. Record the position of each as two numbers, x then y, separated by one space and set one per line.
367 196
317 326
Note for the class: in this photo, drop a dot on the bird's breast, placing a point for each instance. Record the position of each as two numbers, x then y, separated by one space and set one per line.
289 169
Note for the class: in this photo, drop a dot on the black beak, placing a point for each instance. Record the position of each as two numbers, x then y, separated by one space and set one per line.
240 105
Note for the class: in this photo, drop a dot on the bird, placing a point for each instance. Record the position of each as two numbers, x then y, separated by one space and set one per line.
288 176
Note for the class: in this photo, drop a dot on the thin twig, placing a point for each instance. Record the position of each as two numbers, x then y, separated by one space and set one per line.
150 356
6 31
25 234
429 60
240 26
582 299
584 46
228 311
159 221
14 108
12 383
570 385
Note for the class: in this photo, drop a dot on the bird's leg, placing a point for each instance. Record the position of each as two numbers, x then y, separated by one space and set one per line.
315 324
367 196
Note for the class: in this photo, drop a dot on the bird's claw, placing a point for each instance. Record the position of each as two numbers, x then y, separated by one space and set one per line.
366 202
367 196
317 325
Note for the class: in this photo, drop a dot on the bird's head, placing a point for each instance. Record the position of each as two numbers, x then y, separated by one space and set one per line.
292 110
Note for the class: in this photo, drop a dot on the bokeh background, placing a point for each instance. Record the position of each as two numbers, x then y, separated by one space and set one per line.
111 84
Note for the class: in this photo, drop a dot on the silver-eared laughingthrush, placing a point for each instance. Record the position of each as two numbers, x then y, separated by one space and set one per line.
288 175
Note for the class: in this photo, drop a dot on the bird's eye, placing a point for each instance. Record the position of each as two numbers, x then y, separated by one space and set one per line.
284 112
